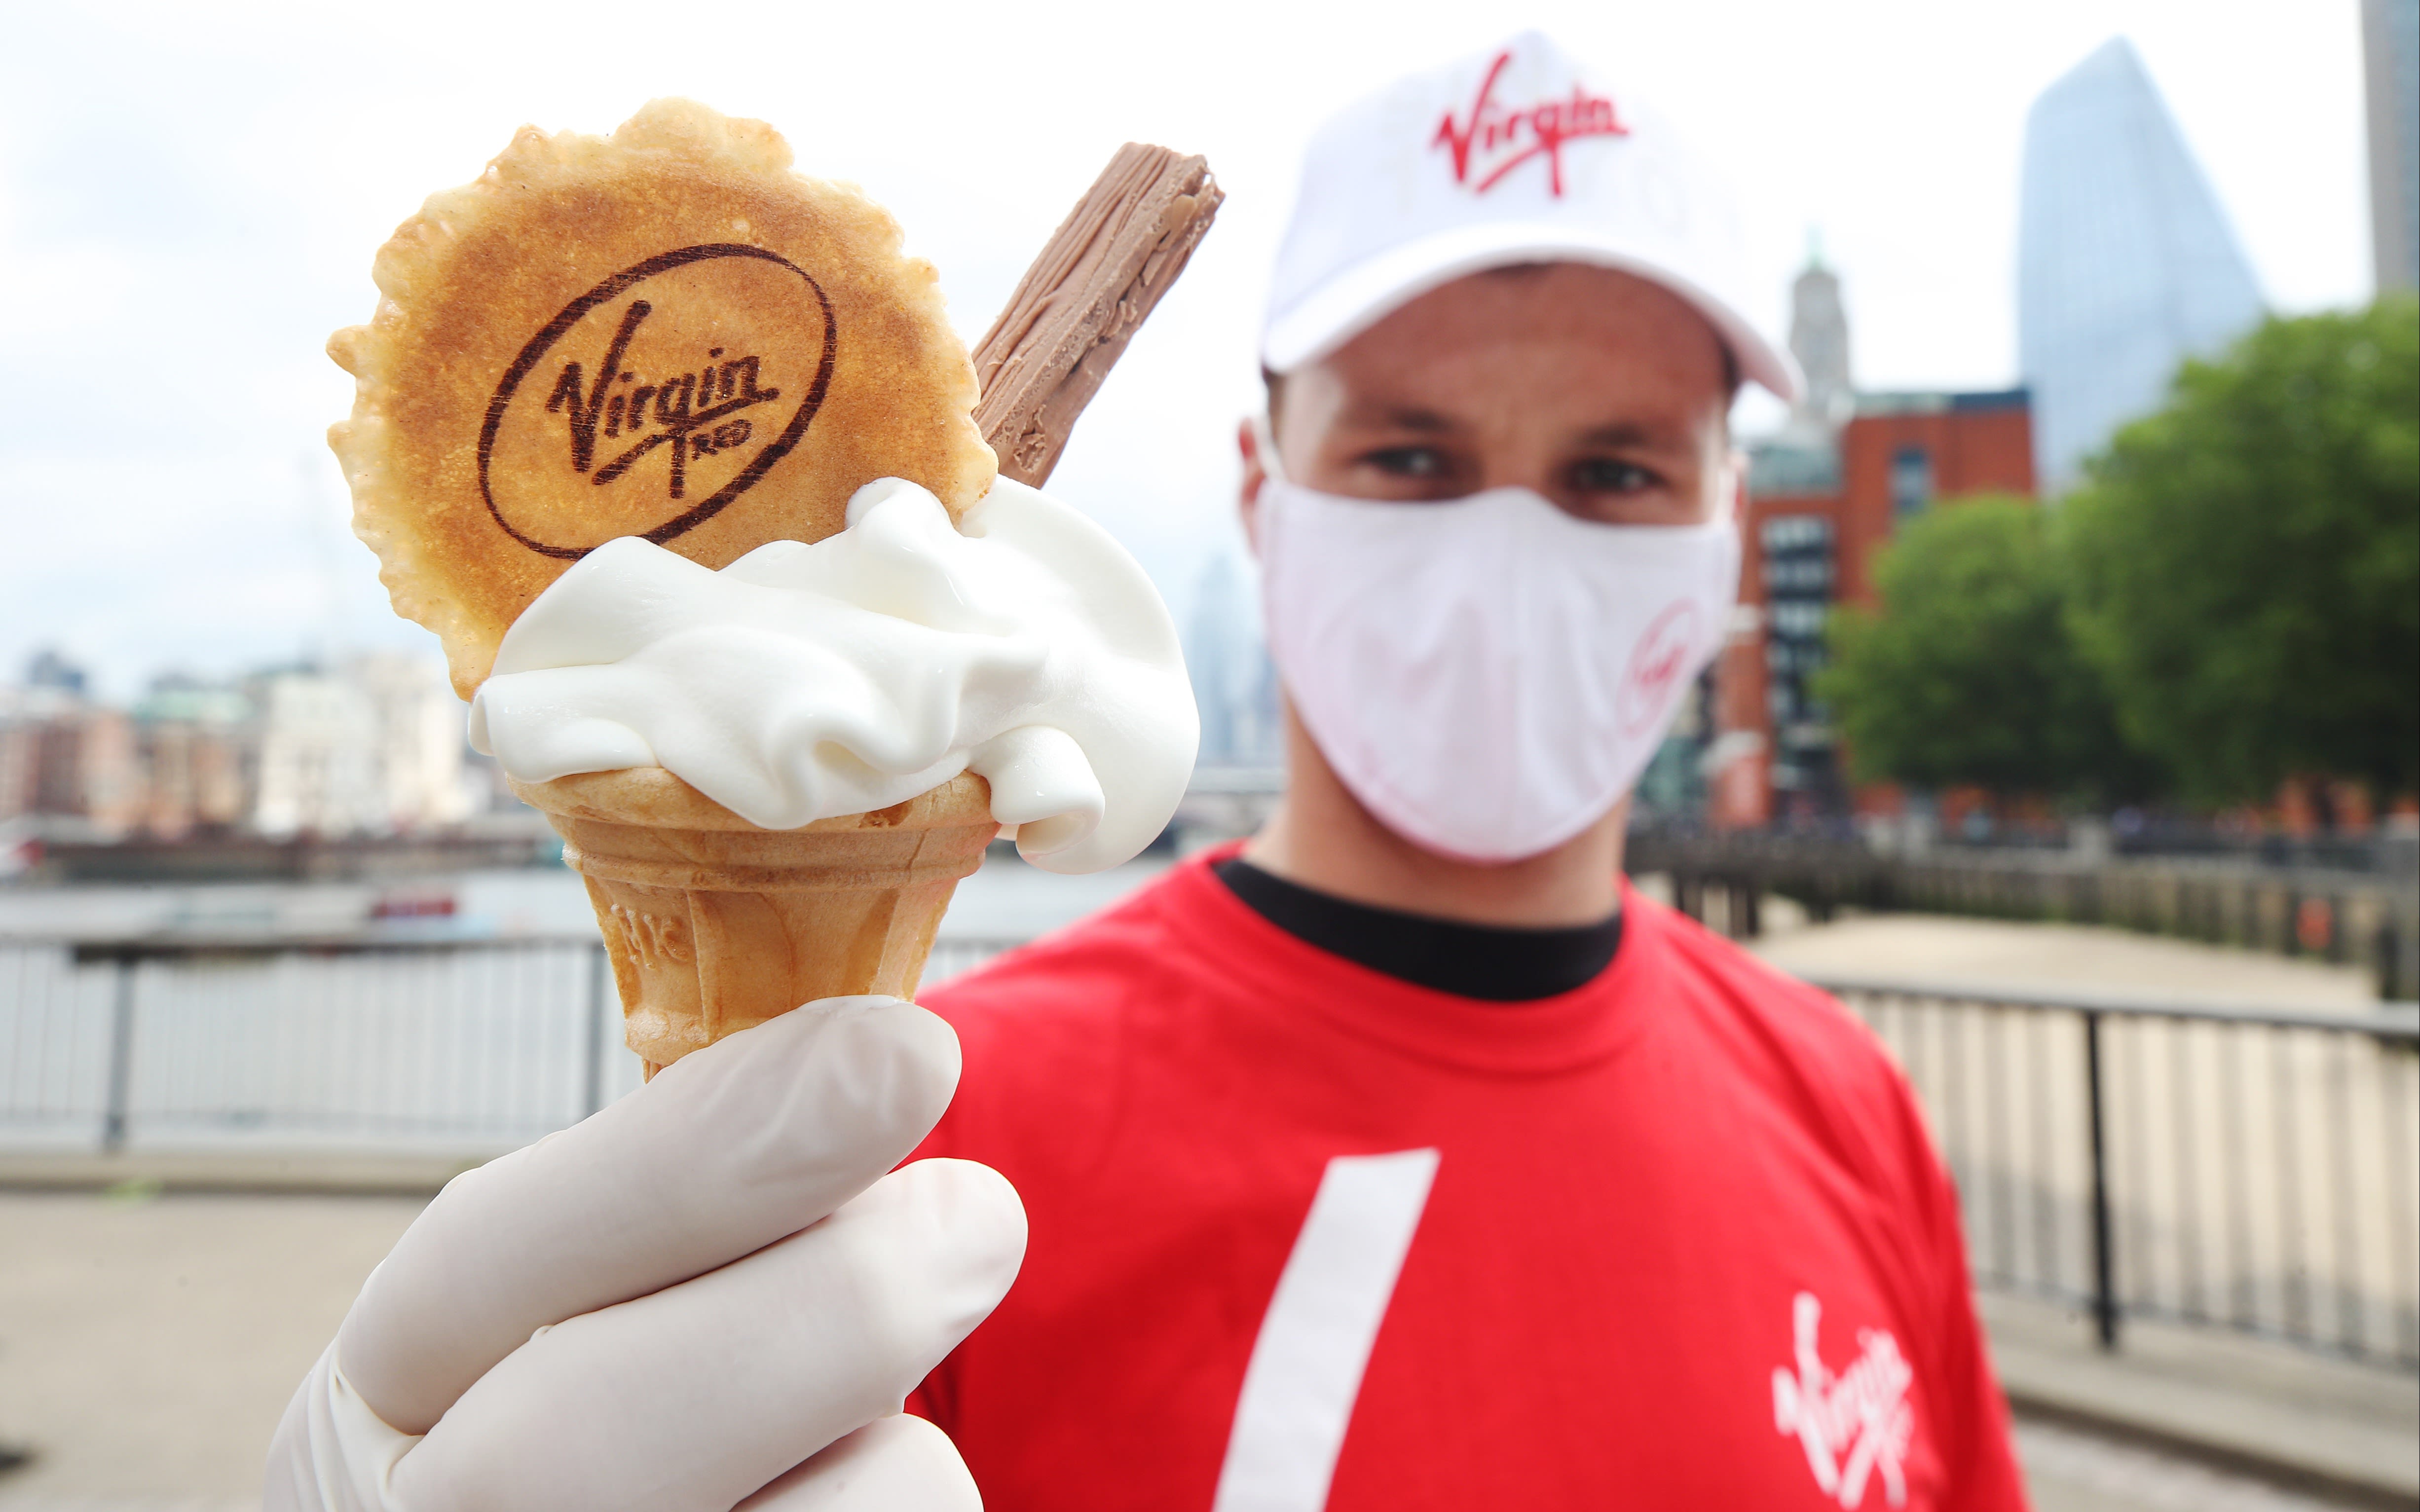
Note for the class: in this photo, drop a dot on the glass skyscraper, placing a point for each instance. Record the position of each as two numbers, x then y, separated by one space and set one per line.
2125 264
1235 686
2390 45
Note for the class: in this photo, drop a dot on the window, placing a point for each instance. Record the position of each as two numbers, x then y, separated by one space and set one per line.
1910 481
1798 575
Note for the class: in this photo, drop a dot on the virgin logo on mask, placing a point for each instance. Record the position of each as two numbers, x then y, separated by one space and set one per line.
1493 140
1657 668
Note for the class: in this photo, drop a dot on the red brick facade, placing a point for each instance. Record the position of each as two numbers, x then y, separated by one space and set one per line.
1814 520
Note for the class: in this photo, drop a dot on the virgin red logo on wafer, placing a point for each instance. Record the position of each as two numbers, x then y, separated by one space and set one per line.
665 433
665 334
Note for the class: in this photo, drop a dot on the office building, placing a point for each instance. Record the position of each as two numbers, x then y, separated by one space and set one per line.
1819 339
65 760
421 745
318 763
2390 49
195 748
1235 686
2126 265
372 744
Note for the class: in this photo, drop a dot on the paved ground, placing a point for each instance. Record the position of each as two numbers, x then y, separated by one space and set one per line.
149 1345
2072 1471
2053 956
2313 1419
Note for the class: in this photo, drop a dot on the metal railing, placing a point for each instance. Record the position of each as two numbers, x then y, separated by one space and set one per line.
2370 919
2245 1167
2248 1169
471 1044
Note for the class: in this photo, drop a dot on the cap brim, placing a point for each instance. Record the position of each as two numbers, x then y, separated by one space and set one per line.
1357 298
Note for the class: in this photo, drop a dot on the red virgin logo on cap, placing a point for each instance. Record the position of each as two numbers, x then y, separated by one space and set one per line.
1494 141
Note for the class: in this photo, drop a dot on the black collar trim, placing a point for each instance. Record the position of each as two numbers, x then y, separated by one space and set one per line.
1485 962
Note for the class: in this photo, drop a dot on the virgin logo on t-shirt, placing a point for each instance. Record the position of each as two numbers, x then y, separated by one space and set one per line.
1853 1424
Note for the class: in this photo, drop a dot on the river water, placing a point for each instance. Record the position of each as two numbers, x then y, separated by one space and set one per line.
476 1049
1005 900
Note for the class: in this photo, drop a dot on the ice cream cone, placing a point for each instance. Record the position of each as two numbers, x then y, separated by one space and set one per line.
715 925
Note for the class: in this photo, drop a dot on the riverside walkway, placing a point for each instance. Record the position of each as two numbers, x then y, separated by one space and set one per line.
157 1306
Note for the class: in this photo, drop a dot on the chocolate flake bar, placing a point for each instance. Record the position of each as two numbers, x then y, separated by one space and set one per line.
1076 308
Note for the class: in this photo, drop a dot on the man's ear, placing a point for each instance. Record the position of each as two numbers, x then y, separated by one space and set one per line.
1247 500
1735 484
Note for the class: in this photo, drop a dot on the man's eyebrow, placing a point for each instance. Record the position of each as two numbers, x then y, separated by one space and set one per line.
1381 415
1632 433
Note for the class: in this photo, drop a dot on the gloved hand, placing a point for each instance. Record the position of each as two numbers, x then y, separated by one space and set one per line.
708 1294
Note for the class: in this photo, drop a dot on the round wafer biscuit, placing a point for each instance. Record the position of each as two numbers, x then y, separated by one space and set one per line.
665 334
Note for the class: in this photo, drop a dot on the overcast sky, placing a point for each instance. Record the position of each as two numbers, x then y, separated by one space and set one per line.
191 194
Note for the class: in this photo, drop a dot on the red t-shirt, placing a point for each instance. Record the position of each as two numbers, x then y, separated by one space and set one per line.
1304 1235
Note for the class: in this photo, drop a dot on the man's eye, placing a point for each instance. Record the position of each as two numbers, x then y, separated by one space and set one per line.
1408 461
1605 474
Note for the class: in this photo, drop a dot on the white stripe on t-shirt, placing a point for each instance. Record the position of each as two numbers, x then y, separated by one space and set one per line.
1315 1338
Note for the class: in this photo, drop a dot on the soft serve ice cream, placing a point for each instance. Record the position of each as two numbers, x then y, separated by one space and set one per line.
682 457
807 680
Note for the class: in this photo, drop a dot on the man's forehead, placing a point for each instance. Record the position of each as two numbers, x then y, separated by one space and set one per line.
1553 299
1566 344
1616 423
1596 326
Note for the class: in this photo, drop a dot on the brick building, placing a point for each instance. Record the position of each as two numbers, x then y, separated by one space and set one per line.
1821 503
196 745
373 745
63 759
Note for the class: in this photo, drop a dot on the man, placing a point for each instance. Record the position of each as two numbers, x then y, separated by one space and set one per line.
1403 1158
1400 1158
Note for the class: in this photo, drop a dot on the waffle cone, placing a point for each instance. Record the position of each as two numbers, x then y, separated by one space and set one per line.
714 925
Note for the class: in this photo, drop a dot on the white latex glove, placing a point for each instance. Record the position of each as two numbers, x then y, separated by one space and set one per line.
707 1295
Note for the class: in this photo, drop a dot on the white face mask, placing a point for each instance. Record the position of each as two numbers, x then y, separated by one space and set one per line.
1488 674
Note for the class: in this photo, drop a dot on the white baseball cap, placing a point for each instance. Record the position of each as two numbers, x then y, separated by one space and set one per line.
1514 155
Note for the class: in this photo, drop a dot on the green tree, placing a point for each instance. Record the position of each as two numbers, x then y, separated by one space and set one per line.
1968 674
2247 561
